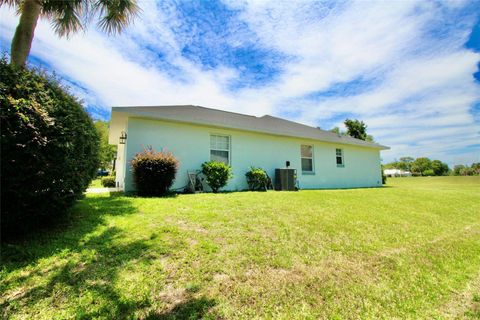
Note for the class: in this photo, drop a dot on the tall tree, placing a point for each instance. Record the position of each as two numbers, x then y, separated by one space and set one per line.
404 163
67 16
457 169
337 131
440 168
476 167
107 151
356 129
467 171
421 165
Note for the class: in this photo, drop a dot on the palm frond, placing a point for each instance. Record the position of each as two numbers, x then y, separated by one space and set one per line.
115 14
17 4
10 3
66 16
71 16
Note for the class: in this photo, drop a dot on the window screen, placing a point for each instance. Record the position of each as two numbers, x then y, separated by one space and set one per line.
220 148
307 158
339 153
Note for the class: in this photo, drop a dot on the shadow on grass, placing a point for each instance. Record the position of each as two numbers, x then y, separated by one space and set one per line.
84 264
83 218
82 278
95 273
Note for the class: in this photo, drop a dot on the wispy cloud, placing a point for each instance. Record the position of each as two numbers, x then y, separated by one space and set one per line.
405 68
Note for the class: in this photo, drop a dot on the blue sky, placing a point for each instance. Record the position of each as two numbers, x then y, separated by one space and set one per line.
409 69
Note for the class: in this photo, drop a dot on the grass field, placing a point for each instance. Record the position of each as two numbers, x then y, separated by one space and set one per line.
96 183
409 250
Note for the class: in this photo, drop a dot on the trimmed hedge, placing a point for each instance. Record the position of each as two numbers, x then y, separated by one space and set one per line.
154 172
49 149
257 179
217 174
108 182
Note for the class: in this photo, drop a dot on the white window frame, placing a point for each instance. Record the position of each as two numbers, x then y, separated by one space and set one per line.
340 165
311 158
229 146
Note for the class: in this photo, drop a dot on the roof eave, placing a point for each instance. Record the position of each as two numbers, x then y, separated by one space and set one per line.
360 143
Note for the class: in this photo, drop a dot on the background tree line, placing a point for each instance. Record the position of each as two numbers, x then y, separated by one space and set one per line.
424 166
465 170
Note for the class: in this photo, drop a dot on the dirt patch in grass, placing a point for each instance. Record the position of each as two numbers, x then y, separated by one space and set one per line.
464 303
323 286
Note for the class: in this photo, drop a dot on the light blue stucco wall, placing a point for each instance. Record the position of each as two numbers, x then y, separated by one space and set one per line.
190 144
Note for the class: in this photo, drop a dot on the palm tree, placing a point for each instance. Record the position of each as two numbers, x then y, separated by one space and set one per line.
67 16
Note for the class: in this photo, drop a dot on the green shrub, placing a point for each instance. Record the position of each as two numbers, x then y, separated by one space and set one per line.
428 173
154 172
49 149
257 179
108 182
384 177
216 174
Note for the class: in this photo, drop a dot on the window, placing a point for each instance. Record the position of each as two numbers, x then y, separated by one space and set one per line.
339 153
220 148
307 158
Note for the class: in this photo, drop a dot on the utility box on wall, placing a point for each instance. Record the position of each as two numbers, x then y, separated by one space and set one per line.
285 179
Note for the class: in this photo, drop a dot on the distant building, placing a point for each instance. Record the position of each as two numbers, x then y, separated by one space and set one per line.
397 173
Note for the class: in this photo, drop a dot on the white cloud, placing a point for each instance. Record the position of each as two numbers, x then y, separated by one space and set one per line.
418 102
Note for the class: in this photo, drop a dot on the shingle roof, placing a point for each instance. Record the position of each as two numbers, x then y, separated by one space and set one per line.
224 119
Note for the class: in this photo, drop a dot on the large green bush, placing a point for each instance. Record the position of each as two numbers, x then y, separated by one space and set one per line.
216 174
257 179
49 149
154 172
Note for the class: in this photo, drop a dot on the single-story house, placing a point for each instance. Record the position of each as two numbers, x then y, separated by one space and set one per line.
194 134
397 173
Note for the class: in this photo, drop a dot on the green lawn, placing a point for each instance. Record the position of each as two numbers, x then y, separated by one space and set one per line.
96 183
409 250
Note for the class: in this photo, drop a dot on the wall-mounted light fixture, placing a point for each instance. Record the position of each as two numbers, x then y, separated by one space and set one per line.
123 137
